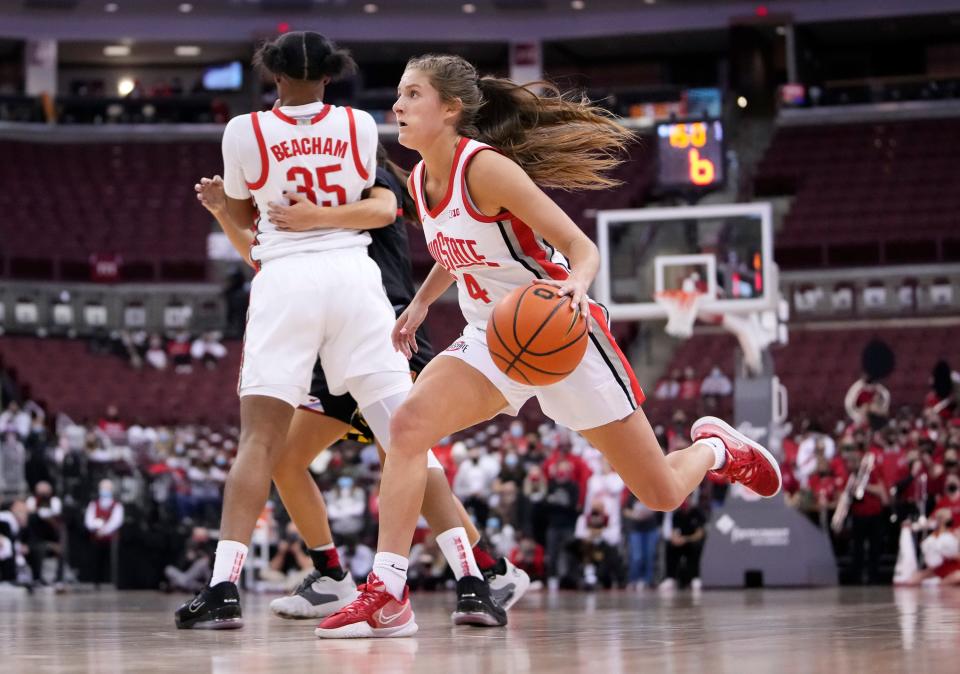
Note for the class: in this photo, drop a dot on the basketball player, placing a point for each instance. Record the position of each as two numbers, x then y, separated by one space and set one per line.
325 418
487 223
316 293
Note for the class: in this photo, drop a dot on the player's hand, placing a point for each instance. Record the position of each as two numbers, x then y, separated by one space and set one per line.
404 335
300 216
575 288
210 193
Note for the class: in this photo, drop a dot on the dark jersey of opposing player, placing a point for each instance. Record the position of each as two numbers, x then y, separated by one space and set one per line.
390 249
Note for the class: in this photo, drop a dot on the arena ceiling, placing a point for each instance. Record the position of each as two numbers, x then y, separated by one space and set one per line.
440 21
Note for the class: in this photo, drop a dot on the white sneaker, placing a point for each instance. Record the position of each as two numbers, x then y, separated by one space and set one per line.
507 583
696 585
667 585
316 597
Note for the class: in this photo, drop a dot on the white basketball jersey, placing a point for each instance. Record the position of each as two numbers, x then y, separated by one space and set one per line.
326 152
489 256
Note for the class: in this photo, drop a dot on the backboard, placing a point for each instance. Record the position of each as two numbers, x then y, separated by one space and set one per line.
724 251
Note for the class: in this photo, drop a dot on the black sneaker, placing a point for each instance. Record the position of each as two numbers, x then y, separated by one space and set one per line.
475 606
214 608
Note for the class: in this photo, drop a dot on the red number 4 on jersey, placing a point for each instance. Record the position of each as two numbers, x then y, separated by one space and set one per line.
474 289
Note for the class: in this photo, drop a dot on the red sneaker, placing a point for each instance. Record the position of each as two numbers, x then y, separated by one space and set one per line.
375 613
748 463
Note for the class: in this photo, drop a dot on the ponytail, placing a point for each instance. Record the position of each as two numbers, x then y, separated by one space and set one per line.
561 141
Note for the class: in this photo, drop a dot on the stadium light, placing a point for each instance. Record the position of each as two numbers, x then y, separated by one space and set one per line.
370 8
577 4
185 8
116 50
186 50
125 86
469 8
111 7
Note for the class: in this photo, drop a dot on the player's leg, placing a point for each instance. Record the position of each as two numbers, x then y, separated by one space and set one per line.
612 420
263 421
660 482
474 602
448 396
508 584
285 328
328 587
310 433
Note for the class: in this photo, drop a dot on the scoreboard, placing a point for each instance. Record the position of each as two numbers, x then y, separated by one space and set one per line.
690 155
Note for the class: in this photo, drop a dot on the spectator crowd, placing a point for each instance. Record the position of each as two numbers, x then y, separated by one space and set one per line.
138 505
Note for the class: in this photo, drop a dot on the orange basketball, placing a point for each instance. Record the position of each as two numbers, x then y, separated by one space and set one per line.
534 337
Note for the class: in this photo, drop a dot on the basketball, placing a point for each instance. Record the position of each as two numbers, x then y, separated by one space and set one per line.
533 336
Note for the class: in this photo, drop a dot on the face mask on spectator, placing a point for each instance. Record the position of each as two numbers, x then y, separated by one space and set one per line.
345 483
510 460
221 461
516 430
106 494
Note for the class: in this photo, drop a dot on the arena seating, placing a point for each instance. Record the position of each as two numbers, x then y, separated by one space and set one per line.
865 193
66 202
65 376
818 366
135 200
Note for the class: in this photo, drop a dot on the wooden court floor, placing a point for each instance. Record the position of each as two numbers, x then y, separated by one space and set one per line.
869 630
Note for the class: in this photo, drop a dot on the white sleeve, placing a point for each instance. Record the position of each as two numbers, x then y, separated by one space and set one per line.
850 400
116 519
6 548
234 183
90 517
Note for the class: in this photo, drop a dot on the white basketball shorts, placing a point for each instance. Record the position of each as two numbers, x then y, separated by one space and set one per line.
329 304
601 390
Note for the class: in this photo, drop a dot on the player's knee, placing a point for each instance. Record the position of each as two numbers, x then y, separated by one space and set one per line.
406 431
662 497
285 471
253 443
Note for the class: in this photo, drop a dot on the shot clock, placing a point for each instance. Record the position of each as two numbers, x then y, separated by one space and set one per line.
690 155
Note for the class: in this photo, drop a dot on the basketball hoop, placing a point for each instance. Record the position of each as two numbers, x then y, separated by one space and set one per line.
681 307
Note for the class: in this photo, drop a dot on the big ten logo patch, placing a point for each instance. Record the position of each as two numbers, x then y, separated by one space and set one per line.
459 345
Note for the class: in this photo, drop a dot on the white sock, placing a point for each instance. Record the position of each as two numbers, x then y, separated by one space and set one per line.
459 554
228 562
719 451
392 570
321 548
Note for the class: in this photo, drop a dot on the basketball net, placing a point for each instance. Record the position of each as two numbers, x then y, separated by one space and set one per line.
681 307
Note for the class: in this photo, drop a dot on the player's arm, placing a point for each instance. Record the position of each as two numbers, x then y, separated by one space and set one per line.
377 209
498 184
229 213
404 333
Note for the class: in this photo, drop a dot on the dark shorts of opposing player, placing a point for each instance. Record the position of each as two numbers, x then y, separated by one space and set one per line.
344 407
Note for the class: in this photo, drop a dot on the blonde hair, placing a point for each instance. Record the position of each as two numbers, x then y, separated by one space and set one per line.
560 140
